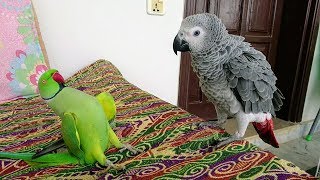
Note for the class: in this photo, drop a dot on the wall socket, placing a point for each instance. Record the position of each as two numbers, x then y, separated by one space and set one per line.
156 7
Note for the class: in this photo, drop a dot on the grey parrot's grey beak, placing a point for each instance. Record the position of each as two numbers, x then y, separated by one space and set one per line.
180 45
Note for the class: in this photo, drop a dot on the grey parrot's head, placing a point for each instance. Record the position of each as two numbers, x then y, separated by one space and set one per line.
199 33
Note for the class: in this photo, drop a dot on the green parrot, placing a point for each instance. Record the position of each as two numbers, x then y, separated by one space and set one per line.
109 107
85 125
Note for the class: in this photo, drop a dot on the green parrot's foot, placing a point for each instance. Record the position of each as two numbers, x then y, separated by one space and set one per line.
117 167
130 148
226 140
114 124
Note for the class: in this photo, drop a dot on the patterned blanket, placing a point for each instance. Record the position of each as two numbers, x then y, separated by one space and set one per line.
173 149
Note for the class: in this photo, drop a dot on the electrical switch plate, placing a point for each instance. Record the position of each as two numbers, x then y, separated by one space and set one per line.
156 7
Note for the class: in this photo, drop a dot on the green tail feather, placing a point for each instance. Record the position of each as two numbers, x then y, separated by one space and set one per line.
43 161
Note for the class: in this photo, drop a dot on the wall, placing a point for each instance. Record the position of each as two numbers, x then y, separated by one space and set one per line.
78 32
312 103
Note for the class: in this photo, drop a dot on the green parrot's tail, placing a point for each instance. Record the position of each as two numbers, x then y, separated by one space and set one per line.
43 161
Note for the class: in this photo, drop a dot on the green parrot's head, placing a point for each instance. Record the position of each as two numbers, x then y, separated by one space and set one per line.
50 84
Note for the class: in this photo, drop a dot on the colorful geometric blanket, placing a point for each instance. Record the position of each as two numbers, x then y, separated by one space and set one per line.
173 149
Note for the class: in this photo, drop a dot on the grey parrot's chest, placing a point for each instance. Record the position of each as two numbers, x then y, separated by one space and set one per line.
213 84
213 92
212 71
221 96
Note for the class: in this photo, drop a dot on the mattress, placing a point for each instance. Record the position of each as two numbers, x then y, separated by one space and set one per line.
172 147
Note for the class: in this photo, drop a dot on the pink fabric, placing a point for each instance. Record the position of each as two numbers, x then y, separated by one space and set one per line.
21 58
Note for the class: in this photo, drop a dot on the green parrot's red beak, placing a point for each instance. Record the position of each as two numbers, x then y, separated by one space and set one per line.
58 78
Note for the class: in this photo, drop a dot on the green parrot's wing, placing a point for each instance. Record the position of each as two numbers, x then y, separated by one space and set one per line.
70 135
107 102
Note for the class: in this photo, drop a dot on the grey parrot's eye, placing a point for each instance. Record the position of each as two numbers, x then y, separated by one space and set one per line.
196 33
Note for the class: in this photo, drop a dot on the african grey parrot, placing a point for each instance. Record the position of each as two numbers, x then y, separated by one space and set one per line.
234 76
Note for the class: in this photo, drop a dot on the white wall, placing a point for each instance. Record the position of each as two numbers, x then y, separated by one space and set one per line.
78 32
312 103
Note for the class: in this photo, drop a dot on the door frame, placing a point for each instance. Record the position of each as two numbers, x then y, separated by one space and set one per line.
190 7
295 13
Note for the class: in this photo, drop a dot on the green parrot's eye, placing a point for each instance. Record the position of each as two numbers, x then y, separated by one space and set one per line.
196 33
44 81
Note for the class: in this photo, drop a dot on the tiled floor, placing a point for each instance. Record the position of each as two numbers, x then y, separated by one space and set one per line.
302 153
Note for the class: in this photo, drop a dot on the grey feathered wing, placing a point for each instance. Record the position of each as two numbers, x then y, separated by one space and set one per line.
253 82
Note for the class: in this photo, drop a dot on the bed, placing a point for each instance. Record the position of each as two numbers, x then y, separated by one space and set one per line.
173 149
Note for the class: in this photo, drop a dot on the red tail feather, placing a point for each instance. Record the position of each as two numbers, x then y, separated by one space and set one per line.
265 131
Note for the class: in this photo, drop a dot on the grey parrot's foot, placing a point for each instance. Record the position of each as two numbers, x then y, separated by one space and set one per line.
225 141
110 164
211 124
130 148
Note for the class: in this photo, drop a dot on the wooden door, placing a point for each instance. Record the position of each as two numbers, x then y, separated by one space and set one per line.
257 20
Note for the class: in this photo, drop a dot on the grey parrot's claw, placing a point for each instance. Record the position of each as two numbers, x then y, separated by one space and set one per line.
225 140
130 148
210 124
